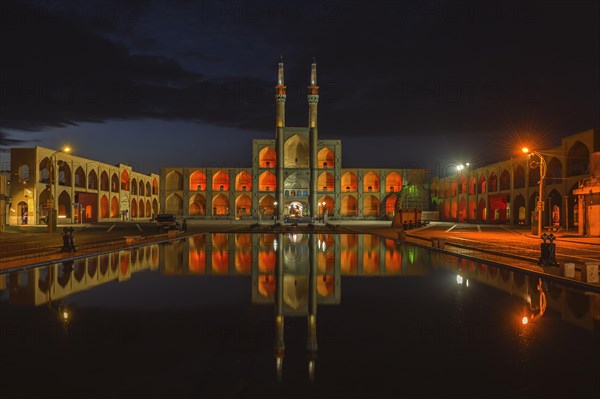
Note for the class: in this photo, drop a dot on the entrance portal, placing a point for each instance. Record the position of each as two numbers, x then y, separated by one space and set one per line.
295 209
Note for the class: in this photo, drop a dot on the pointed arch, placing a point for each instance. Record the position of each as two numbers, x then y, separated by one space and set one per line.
267 181
482 185
155 206
267 158
220 204
349 206
148 209
267 205
141 208
325 158
44 170
148 188
114 207
393 182
519 211
134 186
328 207
296 152
104 181
349 182
197 206
220 181
243 205
493 183
104 210
554 173
504 180
390 205
371 206
79 177
325 182
243 181
133 208
174 181
198 181
64 174
174 204
124 180
154 186
519 177
142 188
114 183
370 182
64 205
482 210
578 159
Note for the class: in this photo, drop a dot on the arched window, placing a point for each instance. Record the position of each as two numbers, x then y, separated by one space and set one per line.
114 207
371 182
325 158
325 182
125 180
93 180
79 177
174 181
24 172
519 177
114 184
154 186
349 182
493 183
243 181
142 188
267 181
134 186
296 152
104 181
505 180
267 158
578 159
44 170
393 182
220 181
197 181
64 173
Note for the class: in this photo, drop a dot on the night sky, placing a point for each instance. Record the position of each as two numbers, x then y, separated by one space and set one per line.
183 83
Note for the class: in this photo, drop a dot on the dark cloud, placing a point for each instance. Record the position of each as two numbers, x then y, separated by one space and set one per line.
468 71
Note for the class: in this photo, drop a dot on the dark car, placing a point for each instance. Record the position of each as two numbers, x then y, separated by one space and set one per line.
166 222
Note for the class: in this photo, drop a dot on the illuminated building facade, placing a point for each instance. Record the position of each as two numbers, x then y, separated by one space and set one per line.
84 190
295 174
508 191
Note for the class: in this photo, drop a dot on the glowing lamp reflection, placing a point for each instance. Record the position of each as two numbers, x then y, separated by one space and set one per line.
459 279
524 320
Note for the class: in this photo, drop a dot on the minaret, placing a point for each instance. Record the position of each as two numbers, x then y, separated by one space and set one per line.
313 101
280 97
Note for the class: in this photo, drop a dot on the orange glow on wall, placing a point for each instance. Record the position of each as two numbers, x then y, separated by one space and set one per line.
220 205
267 158
325 158
243 181
243 205
125 181
325 182
370 182
393 183
267 181
371 206
197 205
267 205
197 181
390 205
349 206
114 208
349 182
220 181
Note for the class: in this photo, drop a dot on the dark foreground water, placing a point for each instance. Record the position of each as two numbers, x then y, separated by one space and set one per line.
323 316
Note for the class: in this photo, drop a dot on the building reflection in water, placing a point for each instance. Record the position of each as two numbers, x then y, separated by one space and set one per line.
295 273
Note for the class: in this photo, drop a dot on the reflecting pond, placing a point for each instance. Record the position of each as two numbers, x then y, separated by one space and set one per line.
296 315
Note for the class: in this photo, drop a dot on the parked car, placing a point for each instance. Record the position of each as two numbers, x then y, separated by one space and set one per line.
166 221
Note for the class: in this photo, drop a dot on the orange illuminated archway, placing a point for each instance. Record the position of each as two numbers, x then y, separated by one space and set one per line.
371 182
371 206
267 158
325 182
243 205
267 181
393 182
220 181
220 205
349 182
349 206
325 158
243 181
198 181
197 205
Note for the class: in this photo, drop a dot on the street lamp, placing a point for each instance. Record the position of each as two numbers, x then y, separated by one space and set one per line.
323 210
53 214
275 203
542 165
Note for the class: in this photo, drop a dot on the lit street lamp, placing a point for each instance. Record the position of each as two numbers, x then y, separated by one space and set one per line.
275 216
53 213
542 165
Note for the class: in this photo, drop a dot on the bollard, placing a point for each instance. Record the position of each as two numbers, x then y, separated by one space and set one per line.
568 270
589 272
434 243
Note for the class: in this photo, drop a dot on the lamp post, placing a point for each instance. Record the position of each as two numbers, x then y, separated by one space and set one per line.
542 165
53 214
324 211
275 203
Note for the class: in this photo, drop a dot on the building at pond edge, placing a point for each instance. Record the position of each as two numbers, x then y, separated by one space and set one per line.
508 191
294 175
83 190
